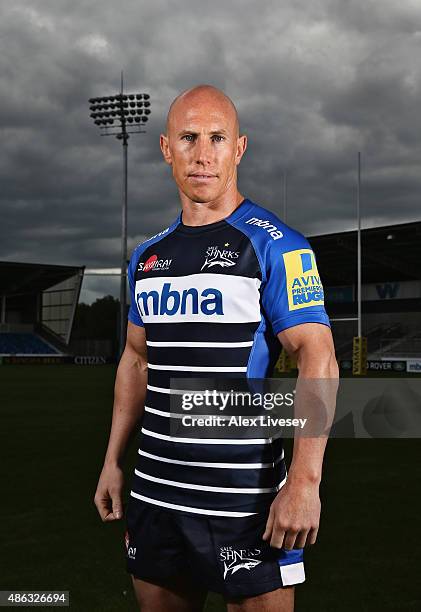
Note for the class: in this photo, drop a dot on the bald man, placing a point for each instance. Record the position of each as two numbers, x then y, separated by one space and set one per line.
214 294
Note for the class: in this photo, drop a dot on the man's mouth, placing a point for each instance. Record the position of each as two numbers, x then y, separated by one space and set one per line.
202 176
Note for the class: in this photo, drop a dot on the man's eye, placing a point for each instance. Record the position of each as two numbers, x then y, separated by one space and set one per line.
218 137
188 137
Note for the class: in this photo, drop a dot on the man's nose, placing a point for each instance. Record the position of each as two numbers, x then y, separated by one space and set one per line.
203 150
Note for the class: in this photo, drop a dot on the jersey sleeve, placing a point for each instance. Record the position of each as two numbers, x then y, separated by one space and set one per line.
293 292
133 315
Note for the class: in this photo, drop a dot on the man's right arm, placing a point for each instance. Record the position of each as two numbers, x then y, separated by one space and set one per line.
129 400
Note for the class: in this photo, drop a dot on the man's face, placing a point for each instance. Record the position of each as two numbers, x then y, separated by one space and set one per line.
203 148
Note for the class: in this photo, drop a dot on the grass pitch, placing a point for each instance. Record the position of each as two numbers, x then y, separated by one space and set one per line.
54 428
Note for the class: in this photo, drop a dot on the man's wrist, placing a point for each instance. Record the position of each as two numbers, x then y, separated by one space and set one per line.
304 478
112 462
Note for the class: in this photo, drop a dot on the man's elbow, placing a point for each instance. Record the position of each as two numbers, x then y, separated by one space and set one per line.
132 357
333 367
318 362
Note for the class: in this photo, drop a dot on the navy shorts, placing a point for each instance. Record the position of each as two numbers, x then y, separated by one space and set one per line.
224 555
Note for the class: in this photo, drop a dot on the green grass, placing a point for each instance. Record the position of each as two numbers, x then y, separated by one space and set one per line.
54 427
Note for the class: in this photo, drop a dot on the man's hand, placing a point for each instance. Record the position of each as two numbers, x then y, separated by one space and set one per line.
108 498
129 399
294 516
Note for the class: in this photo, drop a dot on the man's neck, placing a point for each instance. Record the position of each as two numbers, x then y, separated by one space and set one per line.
203 213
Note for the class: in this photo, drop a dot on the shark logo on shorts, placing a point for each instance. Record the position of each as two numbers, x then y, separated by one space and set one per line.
235 560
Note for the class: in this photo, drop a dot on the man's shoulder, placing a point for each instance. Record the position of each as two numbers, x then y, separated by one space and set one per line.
267 230
155 238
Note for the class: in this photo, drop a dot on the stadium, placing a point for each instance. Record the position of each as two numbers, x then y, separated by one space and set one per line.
39 303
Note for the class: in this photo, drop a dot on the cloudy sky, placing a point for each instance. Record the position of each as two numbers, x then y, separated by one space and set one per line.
314 83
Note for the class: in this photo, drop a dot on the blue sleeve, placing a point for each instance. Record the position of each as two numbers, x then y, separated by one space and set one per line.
133 315
293 292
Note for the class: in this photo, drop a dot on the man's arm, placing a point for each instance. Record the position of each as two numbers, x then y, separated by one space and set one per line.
129 399
295 513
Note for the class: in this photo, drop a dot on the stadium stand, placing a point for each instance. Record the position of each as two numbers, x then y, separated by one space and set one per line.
38 304
391 288
24 344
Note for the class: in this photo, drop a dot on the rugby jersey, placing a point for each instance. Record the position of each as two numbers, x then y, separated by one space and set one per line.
212 299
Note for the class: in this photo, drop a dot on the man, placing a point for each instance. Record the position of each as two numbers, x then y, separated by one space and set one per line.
212 294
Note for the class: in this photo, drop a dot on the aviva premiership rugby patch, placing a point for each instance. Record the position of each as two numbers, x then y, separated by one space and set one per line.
303 284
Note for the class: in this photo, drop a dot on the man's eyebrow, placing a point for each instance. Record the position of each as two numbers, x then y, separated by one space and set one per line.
221 131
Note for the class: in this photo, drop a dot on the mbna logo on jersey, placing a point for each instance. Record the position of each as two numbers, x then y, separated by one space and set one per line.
304 287
170 301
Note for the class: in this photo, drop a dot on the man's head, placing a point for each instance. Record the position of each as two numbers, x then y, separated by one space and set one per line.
202 143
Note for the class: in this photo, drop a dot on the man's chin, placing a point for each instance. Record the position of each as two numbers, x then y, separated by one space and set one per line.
202 195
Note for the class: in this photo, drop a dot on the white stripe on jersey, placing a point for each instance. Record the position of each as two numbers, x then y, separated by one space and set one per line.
191 368
159 412
167 390
240 298
196 487
179 415
182 391
154 434
201 344
236 466
158 502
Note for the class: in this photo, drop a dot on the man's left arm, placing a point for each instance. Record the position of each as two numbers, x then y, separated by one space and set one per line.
294 515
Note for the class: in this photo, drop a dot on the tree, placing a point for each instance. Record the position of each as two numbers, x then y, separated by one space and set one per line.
97 321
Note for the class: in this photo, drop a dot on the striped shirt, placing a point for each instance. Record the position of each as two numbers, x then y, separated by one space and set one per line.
212 300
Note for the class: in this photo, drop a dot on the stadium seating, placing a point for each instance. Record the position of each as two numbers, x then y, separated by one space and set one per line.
12 343
408 346
379 338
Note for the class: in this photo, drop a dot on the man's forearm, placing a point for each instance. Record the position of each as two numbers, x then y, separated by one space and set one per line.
318 380
129 401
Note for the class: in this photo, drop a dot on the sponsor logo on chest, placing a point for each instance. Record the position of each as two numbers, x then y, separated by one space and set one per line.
172 301
223 257
154 263
202 297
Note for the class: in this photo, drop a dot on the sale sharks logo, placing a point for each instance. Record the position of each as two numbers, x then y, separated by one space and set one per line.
215 256
235 560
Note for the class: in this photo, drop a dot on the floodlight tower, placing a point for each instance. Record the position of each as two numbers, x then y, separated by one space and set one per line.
120 115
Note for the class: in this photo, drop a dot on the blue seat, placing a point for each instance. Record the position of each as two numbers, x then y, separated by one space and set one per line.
12 343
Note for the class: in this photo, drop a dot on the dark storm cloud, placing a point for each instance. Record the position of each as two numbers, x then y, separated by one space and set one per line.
313 84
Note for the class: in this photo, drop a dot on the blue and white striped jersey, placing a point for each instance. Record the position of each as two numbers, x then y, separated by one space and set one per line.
212 299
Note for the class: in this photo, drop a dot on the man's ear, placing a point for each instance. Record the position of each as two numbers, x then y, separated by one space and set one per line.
241 148
165 148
